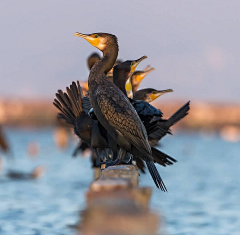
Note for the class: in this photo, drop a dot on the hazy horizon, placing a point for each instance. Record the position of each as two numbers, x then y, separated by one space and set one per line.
193 45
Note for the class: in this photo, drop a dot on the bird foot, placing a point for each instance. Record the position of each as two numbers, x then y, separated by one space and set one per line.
110 163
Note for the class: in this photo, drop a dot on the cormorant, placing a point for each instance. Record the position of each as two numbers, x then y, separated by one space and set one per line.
113 109
35 174
149 94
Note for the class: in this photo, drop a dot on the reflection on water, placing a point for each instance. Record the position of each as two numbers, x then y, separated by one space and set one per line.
203 187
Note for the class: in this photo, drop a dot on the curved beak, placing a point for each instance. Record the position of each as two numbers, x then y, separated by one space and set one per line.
140 59
147 68
87 37
148 71
164 91
156 94
81 35
137 63
143 74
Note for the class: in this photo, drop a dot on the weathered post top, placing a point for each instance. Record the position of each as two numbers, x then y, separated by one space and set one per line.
117 206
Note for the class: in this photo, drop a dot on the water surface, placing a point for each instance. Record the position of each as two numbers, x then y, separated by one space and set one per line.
203 187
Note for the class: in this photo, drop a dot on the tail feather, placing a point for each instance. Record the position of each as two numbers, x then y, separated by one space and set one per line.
65 101
75 90
76 97
157 130
155 176
80 89
65 106
162 158
62 109
73 101
69 103
181 113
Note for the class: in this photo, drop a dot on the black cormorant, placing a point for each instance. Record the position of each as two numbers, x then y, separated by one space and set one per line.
112 107
35 174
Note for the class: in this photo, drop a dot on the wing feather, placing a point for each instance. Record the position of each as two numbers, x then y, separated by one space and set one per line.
120 114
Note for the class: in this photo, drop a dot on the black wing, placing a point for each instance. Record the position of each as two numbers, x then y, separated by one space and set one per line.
120 114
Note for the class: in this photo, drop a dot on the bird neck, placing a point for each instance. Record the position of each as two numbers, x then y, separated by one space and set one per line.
109 57
119 79
134 88
135 84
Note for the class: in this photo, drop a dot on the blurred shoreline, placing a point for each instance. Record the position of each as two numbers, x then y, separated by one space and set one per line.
204 116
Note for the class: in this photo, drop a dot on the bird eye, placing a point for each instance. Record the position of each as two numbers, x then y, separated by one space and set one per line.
96 36
132 63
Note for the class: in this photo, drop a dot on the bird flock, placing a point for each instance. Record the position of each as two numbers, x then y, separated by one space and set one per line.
112 117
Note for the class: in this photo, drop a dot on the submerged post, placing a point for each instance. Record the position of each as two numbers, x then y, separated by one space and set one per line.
117 206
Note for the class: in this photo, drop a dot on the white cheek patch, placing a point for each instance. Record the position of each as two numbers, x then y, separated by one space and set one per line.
102 44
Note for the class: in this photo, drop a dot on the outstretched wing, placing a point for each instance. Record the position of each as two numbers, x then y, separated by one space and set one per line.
120 114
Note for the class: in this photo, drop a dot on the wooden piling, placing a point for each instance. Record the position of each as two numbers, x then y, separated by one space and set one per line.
117 206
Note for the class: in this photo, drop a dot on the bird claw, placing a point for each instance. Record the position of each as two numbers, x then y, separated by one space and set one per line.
110 163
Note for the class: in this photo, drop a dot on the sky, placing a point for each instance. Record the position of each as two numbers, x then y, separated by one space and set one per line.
193 45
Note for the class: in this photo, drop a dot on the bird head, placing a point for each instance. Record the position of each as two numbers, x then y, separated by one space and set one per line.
130 66
135 63
98 40
93 59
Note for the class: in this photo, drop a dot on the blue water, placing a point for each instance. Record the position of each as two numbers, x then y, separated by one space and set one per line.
203 187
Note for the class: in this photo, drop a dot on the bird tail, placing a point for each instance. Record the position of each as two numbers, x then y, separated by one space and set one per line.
160 128
181 113
162 158
155 175
69 103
